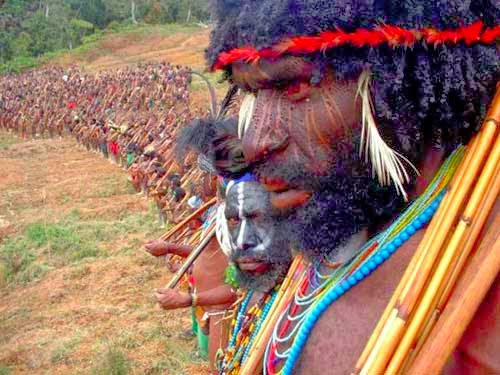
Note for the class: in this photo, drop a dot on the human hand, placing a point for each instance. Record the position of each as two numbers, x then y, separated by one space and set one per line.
170 299
157 248
172 262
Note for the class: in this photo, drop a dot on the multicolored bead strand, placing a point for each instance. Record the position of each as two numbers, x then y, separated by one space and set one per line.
344 277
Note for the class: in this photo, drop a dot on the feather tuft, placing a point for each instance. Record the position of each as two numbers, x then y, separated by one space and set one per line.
246 113
387 164
222 230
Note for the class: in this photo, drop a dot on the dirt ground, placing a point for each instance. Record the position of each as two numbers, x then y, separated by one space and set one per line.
92 315
71 319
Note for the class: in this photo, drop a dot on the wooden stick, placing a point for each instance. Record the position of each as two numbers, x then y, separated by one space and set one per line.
452 251
184 222
370 360
416 260
477 226
470 290
253 364
446 288
192 257
431 245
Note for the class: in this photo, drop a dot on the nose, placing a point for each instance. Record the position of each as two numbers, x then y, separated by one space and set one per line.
246 237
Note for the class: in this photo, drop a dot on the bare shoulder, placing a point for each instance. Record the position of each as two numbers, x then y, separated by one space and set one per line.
342 332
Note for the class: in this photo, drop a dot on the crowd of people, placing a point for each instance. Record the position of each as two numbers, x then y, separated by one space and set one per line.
129 115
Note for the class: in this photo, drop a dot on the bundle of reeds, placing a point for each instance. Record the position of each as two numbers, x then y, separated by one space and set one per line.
425 302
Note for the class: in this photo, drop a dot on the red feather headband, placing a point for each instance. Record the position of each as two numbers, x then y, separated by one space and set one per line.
395 36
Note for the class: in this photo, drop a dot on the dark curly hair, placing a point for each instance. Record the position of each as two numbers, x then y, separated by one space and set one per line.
422 95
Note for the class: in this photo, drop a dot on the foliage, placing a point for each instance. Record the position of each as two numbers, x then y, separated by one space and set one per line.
29 29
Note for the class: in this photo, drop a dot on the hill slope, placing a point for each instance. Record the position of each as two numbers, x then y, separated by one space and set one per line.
75 285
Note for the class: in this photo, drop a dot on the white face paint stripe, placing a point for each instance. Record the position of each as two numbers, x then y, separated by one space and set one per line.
243 227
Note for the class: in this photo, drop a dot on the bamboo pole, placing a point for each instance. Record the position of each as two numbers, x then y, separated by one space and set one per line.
460 236
192 257
371 360
470 290
477 227
415 262
184 222
431 246
253 364
452 251
447 287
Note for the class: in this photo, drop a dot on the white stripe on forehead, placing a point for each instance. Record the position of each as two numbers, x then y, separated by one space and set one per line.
246 113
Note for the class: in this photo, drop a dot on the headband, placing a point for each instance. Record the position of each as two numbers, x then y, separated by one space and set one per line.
394 36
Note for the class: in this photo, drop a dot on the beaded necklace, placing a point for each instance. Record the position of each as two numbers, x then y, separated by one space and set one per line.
245 327
316 292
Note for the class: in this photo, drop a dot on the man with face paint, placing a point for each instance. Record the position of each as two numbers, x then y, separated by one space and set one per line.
344 100
255 240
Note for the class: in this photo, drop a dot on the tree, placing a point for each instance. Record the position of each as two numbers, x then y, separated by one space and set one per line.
22 44
93 11
6 42
78 29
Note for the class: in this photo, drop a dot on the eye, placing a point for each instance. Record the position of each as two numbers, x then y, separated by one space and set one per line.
233 221
298 91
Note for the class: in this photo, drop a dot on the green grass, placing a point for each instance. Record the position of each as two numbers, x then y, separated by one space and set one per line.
112 362
63 351
7 140
216 79
4 370
93 43
44 246
176 357
114 187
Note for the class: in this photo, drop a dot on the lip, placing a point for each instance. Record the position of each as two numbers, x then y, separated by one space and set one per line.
251 265
274 184
289 199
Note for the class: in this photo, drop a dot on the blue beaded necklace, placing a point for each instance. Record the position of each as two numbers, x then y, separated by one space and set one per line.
370 256
251 319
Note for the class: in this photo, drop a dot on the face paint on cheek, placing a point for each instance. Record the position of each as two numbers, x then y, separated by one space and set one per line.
260 258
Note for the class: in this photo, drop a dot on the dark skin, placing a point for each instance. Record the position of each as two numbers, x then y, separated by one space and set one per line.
310 122
170 299
213 294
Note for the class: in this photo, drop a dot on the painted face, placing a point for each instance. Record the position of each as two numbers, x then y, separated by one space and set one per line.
255 238
299 127
300 116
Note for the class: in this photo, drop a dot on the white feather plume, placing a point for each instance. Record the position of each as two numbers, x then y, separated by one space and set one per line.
246 113
387 164
222 230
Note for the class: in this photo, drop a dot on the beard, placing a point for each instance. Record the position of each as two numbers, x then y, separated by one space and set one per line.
277 257
344 202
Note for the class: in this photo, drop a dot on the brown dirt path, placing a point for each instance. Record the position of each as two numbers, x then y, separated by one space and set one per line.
67 321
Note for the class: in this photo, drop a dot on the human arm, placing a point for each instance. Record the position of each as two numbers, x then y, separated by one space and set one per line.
159 248
170 299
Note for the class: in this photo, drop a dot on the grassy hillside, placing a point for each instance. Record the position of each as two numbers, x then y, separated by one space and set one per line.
75 284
